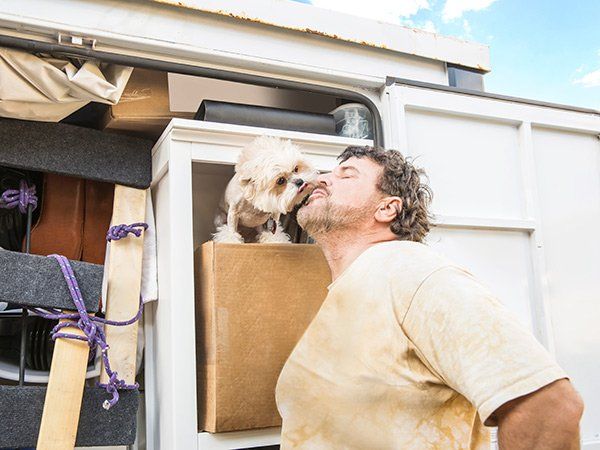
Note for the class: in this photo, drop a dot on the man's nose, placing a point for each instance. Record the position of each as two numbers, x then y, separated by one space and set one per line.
324 178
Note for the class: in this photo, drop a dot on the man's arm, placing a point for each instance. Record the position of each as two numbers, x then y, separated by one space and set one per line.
545 419
481 350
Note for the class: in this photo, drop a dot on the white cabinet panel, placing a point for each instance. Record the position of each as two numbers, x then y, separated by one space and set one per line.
192 163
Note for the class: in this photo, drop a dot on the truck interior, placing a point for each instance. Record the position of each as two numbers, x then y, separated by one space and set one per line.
154 94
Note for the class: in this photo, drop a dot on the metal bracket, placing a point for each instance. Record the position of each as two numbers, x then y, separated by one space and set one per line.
76 41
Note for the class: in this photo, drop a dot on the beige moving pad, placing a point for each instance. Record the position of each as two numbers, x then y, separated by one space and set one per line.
49 89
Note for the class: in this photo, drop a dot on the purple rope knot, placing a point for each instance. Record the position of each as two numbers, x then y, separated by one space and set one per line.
93 335
112 387
117 232
22 197
90 329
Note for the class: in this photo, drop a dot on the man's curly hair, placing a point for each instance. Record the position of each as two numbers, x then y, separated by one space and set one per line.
400 178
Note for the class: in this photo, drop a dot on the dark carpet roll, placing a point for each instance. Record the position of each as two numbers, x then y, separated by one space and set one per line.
21 413
33 280
261 116
76 151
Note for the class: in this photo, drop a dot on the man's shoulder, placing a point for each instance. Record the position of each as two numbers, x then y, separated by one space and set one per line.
414 258
406 265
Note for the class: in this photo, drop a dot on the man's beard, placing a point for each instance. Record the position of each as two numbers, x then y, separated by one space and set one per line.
322 219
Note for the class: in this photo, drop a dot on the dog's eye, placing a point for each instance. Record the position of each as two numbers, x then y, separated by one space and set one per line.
280 181
296 169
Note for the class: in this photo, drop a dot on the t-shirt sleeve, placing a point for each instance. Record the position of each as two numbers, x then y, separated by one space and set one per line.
465 336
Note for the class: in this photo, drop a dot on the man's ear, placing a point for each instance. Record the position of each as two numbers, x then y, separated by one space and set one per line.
388 208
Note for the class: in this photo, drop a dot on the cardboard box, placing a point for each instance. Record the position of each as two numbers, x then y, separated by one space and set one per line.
253 304
143 109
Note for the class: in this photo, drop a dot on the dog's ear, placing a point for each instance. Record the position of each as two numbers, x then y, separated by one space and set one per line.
247 183
247 171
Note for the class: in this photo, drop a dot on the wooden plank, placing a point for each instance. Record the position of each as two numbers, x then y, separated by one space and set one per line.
62 405
124 283
58 428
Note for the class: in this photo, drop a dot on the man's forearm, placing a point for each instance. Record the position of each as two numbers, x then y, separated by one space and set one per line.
547 419
537 438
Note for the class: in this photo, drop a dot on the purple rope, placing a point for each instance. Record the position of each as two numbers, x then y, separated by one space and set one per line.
22 197
94 335
117 232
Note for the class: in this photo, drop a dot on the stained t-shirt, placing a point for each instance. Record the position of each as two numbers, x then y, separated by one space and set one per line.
408 351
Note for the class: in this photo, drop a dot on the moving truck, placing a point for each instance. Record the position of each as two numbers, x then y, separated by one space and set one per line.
516 182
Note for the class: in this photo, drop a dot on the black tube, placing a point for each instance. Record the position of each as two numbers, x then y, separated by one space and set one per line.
24 313
146 63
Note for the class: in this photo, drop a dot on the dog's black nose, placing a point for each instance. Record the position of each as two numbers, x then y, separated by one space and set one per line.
299 182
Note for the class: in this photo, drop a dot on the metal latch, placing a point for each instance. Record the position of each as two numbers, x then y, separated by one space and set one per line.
76 41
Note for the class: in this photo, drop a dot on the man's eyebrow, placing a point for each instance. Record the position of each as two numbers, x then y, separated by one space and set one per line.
349 168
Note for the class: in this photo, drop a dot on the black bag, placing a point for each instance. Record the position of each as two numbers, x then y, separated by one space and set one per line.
12 222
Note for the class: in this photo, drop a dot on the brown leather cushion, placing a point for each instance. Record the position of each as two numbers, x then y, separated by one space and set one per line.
96 220
60 227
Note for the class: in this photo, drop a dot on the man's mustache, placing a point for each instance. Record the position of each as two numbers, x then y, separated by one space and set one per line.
320 189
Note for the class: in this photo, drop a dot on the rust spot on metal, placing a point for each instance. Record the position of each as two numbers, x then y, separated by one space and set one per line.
262 22
183 4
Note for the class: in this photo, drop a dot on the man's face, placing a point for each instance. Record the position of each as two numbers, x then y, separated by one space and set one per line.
345 198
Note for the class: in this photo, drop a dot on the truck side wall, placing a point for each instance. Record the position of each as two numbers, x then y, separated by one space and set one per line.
517 199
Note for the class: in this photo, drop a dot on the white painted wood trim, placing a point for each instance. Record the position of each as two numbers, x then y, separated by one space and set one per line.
219 143
150 386
174 323
224 133
239 439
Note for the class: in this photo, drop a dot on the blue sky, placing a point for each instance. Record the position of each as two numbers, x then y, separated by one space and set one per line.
544 50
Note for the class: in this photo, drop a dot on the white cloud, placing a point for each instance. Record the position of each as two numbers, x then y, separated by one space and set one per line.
453 9
383 10
591 79
428 26
467 29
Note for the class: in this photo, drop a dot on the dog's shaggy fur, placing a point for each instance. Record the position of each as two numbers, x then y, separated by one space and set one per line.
271 177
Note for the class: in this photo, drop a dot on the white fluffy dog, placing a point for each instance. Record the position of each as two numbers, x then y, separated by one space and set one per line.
271 177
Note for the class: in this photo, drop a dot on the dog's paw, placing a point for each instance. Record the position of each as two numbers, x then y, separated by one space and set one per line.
279 237
226 234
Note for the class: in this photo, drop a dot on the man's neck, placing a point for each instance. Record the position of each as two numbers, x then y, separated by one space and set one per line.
341 249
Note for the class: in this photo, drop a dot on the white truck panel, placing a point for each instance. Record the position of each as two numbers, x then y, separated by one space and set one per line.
517 198
568 174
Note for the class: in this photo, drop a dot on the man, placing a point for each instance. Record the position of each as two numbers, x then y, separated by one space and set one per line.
409 351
